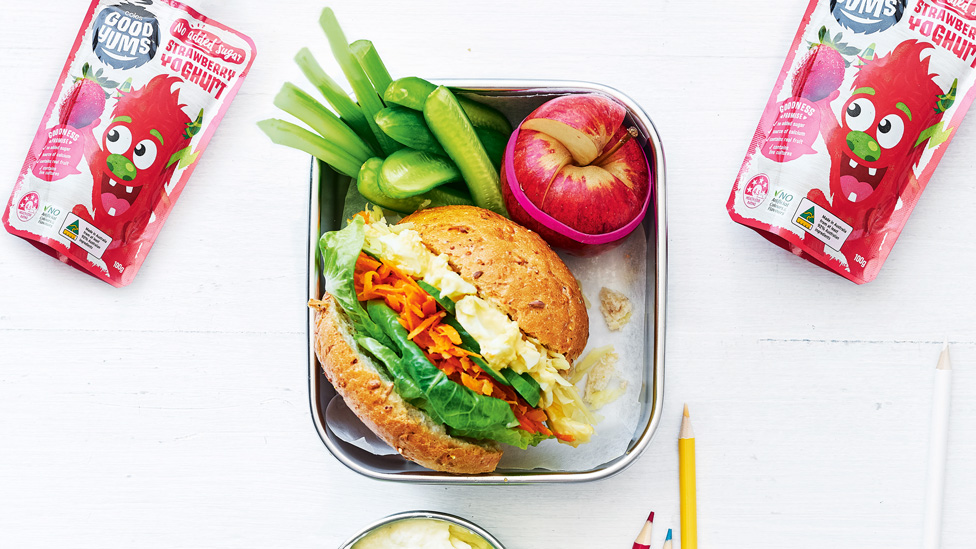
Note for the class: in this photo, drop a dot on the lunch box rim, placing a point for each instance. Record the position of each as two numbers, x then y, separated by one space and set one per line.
406 515
654 311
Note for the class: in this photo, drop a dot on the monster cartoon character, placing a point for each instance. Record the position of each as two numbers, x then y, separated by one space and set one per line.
147 138
895 108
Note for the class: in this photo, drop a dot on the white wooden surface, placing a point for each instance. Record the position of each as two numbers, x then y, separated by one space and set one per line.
173 413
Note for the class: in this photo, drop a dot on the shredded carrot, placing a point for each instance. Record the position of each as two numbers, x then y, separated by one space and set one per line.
364 262
448 331
421 316
426 324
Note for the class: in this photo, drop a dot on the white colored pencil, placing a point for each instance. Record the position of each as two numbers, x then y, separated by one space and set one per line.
938 443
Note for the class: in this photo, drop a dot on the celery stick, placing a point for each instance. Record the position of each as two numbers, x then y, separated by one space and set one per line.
370 61
348 110
296 137
304 107
368 100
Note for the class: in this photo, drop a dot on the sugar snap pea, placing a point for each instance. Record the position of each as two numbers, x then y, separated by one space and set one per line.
409 91
409 172
368 185
483 116
408 127
412 92
494 143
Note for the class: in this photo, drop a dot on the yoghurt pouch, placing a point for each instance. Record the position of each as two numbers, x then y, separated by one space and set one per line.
142 91
866 103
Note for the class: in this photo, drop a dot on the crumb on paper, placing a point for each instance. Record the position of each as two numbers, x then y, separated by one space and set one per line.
600 390
616 308
580 368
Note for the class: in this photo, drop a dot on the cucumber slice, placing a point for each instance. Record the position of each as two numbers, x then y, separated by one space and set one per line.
409 172
527 387
367 183
454 132
469 343
444 302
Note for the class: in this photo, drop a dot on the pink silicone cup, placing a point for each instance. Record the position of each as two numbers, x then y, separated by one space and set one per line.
553 223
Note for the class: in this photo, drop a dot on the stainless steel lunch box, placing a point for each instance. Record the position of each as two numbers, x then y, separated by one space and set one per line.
421 515
516 99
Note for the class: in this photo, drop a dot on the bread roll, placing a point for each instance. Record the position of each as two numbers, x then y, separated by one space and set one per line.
512 268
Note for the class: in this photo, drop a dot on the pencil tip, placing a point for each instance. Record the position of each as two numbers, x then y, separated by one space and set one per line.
686 411
944 362
669 535
650 518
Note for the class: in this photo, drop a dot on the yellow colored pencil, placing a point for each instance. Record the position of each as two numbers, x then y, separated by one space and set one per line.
686 483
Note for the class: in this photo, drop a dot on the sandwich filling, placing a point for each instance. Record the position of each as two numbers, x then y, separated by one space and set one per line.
402 298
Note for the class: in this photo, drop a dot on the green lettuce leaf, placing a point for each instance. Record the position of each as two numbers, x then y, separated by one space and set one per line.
455 405
340 250
507 435
404 386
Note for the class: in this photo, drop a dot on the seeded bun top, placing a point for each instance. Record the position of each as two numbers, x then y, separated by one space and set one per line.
513 268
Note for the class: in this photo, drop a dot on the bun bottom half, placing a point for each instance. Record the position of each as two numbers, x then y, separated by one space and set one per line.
374 401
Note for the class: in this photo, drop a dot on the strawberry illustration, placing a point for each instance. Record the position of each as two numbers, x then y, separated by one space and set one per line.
85 101
822 69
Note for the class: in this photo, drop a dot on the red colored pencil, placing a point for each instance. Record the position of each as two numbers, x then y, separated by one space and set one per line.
643 540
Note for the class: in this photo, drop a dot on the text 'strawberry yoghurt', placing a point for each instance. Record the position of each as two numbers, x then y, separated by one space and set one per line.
865 106
142 91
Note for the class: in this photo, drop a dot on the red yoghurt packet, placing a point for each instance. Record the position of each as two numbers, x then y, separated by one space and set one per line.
869 97
141 94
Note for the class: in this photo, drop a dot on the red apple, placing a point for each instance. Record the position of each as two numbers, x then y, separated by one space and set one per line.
576 162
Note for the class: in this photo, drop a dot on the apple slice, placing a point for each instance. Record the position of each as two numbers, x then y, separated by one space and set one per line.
626 163
539 158
583 123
